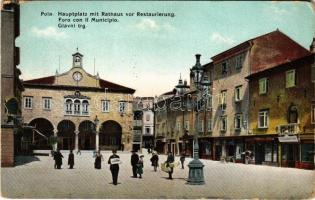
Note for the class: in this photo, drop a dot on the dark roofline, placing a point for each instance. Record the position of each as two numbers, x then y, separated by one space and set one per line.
74 88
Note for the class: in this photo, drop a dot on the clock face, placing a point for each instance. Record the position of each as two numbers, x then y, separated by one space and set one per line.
77 76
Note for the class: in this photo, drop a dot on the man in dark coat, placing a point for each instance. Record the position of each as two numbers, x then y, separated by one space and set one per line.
58 159
71 159
170 159
134 162
114 168
154 160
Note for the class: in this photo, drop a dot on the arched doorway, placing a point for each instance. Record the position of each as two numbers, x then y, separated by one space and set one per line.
66 134
110 135
40 134
87 135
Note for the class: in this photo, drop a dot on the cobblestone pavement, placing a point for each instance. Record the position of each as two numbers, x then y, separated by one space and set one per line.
39 179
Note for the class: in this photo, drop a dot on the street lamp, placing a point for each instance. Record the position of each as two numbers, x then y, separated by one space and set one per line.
202 83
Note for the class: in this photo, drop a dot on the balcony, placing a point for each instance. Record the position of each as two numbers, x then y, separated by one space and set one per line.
137 123
288 129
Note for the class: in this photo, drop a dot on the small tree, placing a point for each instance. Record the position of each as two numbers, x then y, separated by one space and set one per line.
52 140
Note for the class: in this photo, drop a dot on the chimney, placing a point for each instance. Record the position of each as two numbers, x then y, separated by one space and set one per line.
312 47
198 58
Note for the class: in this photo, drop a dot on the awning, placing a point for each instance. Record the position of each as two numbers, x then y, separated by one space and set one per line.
288 139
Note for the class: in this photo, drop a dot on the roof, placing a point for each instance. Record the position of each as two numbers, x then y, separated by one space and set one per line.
49 81
274 49
267 51
168 93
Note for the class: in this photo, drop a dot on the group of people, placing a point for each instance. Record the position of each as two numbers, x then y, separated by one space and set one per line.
113 161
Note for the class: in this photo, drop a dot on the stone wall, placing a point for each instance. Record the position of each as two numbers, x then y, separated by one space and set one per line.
7 147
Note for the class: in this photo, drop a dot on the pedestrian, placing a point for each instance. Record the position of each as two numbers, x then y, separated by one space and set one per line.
98 160
154 160
54 156
182 159
134 162
114 166
170 163
140 166
58 159
79 152
122 146
71 159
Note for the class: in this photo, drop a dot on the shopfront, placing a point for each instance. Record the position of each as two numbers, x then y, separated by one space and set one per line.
205 148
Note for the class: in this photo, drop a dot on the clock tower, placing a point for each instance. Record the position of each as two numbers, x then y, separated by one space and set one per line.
77 59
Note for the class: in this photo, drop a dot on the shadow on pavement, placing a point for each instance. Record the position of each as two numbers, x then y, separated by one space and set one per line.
23 160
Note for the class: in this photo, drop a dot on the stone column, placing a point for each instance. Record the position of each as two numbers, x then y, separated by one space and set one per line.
76 140
55 146
97 140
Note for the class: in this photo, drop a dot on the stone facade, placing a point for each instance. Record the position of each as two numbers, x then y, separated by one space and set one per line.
104 101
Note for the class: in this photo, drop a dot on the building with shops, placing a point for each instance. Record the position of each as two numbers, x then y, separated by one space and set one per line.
82 110
143 124
11 85
237 118
281 108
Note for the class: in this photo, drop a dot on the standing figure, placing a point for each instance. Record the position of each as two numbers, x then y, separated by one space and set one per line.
79 152
134 162
71 159
54 155
182 159
140 166
154 160
170 163
98 160
114 166
58 159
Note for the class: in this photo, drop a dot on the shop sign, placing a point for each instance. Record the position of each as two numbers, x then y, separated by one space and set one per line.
288 138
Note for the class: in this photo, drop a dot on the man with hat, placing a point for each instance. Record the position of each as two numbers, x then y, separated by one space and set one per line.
170 159
114 167
134 162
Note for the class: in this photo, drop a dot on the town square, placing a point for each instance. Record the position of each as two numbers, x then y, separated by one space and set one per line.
157 100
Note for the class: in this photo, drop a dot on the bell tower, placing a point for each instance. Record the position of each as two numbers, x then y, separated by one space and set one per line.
77 59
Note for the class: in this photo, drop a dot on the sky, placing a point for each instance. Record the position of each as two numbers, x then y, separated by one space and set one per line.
148 53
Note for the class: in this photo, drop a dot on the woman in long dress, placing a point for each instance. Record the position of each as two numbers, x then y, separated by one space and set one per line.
98 160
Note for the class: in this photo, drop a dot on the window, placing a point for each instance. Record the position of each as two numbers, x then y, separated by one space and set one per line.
147 130
147 117
263 119
238 121
263 86
223 123
69 105
186 125
209 125
85 107
177 126
223 100
122 107
307 152
46 103
28 102
313 114
268 152
238 93
77 107
224 66
105 106
209 102
290 78
200 125
239 61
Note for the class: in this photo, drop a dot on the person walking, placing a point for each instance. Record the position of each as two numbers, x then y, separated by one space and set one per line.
79 152
58 159
154 160
182 159
140 166
170 163
71 159
98 160
114 166
134 162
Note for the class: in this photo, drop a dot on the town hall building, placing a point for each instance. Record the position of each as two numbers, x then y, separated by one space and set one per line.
80 110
